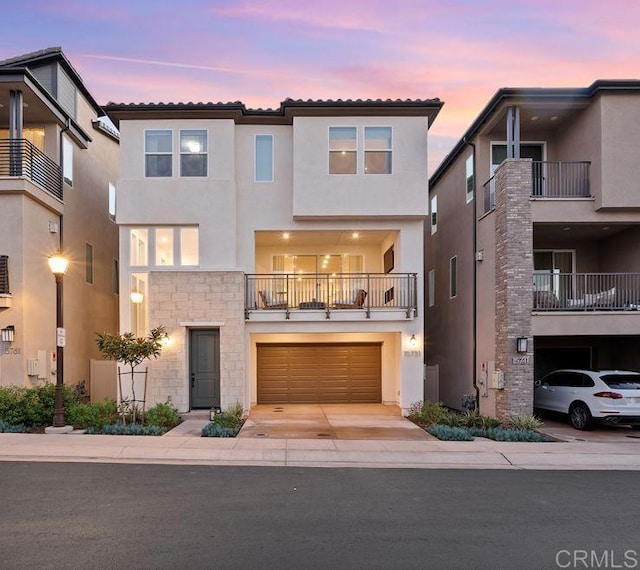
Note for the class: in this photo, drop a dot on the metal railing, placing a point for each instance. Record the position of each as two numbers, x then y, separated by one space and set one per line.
560 179
549 180
586 291
293 292
18 157
4 275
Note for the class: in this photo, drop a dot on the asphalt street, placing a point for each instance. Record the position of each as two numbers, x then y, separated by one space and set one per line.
75 515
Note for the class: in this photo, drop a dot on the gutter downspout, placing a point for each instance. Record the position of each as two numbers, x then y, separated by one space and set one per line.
475 277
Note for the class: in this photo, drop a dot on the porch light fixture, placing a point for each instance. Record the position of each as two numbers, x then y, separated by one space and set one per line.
166 340
413 341
136 297
521 344
7 333
214 412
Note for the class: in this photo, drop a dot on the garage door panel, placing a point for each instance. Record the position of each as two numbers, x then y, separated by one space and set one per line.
319 373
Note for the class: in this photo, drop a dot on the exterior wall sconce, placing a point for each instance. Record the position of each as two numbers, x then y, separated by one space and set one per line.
166 340
136 297
214 412
522 344
413 342
7 334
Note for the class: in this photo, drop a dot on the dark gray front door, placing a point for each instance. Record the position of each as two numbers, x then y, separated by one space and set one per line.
205 368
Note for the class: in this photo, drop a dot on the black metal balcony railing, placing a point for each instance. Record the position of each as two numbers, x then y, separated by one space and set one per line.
358 291
18 157
586 291
4 275
549 180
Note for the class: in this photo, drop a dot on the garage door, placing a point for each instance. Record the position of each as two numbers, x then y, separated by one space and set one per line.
319 373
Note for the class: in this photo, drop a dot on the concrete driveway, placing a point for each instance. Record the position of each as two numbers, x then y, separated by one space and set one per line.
330 421
561 429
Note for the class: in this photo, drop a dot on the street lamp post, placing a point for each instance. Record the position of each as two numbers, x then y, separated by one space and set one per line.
58 266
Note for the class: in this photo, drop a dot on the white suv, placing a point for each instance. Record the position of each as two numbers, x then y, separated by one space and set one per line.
611 396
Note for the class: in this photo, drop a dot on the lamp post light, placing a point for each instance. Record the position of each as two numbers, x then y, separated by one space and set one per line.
58 266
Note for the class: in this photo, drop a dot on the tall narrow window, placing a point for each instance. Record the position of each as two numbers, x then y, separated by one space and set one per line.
67 160
343 150
434 214
470 178
432 287
138 304
88 264
138 247
453 277
164 246
377 150
158 148
193 153
112 201
189 246
264 158
115 276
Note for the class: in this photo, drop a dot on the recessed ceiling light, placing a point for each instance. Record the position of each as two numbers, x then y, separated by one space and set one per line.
535 118
605 228
553 118
285 235
355 235
566 229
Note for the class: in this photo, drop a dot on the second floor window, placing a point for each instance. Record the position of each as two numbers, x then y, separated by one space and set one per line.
67 160
434 214
343 150
264 158
193 153
377 150
158 157
470 178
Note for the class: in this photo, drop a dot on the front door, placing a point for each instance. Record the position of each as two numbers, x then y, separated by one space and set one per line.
205 368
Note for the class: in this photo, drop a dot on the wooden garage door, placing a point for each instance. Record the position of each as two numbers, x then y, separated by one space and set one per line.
319 373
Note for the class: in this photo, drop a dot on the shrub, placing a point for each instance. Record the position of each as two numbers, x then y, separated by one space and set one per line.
428 413
510 434
216 430
524 422
450 433
164 415
93 414
8 428
230 418
33 406
474 418
127 429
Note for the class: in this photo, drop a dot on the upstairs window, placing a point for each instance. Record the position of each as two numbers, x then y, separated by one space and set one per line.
67 161
470 178
193 153
264 158
88 266
453 277
343 150
189 246
138 248
434 214
112 201
164 246
377 150
158 145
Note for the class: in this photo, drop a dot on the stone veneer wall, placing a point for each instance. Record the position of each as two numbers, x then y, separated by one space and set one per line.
197 297
514 285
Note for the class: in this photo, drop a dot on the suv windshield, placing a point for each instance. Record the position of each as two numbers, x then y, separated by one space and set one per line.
622 381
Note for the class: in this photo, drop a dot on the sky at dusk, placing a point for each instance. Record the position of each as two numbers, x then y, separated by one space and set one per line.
261 52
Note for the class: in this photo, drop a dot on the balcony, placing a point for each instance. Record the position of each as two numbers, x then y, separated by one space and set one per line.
586 292
19 158
563 180
344 295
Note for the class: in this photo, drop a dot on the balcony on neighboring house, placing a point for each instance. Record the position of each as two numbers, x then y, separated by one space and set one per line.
561 180
5 291
20 158
586 292
345 296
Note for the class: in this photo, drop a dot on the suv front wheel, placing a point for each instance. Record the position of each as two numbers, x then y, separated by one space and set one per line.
580 416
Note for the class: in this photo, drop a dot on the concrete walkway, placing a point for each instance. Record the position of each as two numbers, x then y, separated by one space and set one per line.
195 450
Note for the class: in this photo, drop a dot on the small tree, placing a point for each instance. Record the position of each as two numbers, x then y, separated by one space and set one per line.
132 351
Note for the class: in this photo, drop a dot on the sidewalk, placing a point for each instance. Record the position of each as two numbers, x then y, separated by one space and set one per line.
433 454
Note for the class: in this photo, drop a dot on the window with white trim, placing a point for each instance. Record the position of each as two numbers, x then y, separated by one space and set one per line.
112 201
189 246
469 178
433 218
164 246
377 150
158 149
264 158
138 247
193 153
453 277
343 150
67 160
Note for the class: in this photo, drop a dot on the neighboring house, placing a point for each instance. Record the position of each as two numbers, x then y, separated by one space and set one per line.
535 235
282 249
58 167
